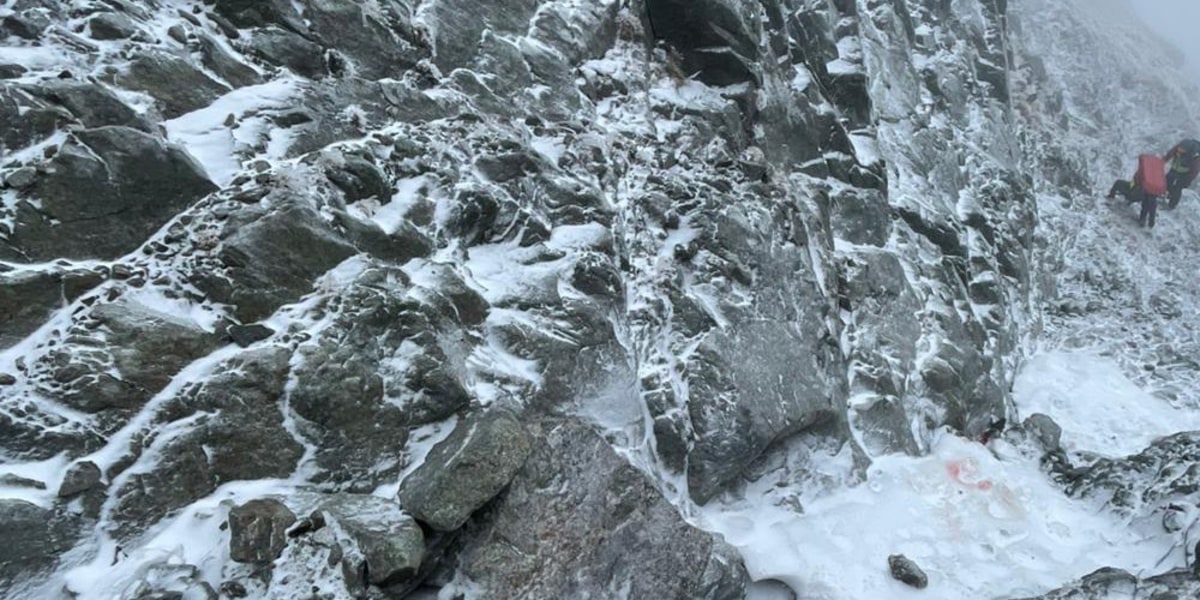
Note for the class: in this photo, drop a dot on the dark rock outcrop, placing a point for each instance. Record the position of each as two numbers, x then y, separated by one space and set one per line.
466 470
105 193
578 519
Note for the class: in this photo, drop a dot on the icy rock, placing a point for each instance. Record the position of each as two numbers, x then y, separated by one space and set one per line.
245 335
257 531
388 542
11 71
274 259
23 118
7 379
20 179
359 179
111 26
905 570
26 299
219 61
464 471
379 42
9 479
149 346
710 36
244 438
288 49
81 477
861 216
257 13
104 195
1167 472
579 519
171 581
1047 433
405 243
27 24
34 537
176 85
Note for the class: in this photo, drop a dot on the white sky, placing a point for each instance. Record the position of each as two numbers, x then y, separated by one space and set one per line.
1176 20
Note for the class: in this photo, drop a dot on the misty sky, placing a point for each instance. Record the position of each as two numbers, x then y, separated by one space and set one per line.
1176 20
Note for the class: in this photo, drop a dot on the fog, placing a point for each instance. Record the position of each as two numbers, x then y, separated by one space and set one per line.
1177 21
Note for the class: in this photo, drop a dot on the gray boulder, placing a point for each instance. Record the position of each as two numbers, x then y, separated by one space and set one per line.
578 520
81 477
387 545
149 347
111 26
105 194
258 531
33 537
175 84
465 470
904 570
275 259
93 104
27 298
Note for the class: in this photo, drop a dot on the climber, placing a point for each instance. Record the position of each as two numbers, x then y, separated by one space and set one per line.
1149 183
1185 165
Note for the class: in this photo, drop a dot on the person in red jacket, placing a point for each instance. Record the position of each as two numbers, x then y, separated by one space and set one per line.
1185 166
1147 186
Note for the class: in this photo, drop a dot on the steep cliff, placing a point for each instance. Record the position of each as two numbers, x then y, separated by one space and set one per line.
551 298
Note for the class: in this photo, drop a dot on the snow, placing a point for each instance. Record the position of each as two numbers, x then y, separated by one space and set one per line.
982 524
196 537
220 148
1099 409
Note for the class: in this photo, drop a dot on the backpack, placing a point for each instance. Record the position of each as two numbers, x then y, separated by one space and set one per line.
1151 175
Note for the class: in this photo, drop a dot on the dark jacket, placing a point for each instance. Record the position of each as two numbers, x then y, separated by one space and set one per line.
1185 158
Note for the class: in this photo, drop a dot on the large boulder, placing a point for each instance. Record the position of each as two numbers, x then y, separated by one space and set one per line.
93 104
275 259
175 84
258 531
578 520
465 470
149 346
387 546
103 195
34 537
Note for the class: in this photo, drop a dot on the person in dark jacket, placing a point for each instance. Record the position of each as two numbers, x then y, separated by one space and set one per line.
1185 166
1147 186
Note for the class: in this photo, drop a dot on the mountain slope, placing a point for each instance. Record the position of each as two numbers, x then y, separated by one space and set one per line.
547 298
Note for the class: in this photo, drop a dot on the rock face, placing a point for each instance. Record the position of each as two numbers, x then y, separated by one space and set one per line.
465 470
107 190
610 533
36 537
483 257
388 545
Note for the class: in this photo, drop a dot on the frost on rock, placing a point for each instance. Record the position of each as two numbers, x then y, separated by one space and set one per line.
565 298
